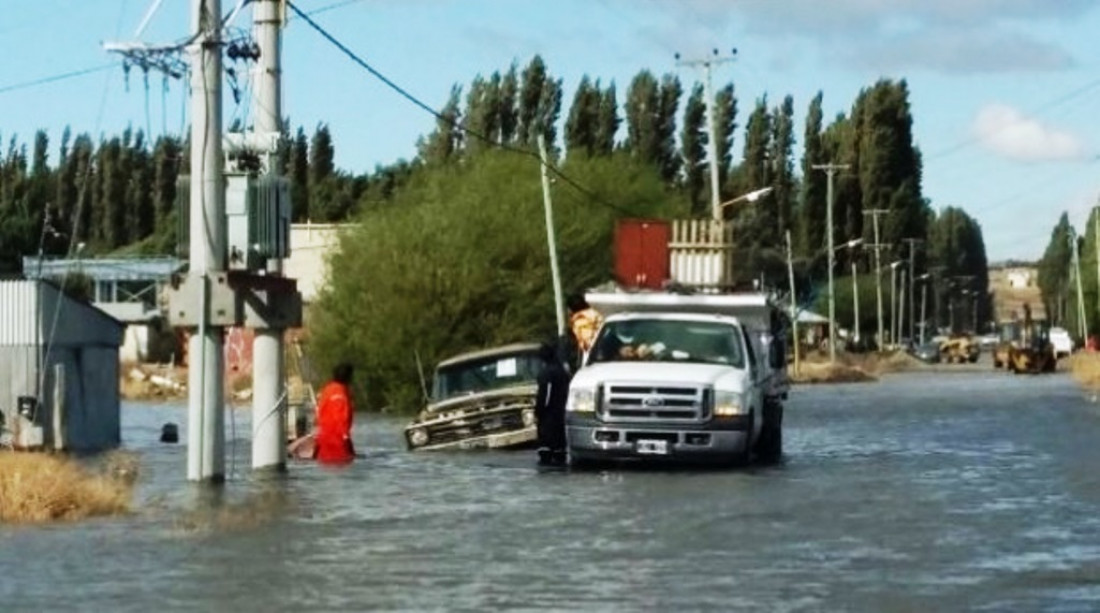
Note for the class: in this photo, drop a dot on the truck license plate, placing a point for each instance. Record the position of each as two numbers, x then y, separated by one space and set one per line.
652 447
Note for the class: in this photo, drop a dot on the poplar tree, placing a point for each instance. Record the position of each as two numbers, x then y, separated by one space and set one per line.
582 125
725 121
608 124
693 141
1055 271
782 166
814 189
446 141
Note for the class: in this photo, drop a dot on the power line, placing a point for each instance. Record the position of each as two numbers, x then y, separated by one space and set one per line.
55 78
446 120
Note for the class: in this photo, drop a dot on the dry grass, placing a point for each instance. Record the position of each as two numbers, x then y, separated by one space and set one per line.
1085 368
814 372
852 368
40 487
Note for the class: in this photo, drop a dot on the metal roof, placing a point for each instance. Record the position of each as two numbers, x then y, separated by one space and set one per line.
103 269
36 312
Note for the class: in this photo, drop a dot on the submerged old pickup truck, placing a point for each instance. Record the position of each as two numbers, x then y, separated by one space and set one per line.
672 377
480 400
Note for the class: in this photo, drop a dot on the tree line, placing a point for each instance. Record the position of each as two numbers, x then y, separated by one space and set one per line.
124 187
1060 274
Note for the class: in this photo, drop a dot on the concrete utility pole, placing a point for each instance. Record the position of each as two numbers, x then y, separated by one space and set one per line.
912 263
901 307
269 400
923 304
207 251
794 305
874 213
894 302
712 129
1082 326
855 300
830 170
551 243
1096 242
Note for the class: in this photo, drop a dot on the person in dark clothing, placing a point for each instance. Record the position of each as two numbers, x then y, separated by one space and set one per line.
553 390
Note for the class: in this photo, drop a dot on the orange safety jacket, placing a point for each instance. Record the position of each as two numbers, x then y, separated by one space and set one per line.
334 416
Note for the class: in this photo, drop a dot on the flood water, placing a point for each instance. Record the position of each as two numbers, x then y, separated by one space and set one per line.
922 492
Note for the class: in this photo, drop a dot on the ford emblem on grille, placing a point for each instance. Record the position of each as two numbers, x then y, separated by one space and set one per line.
652 401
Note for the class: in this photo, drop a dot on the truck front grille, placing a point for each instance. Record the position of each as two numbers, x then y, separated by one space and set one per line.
630 402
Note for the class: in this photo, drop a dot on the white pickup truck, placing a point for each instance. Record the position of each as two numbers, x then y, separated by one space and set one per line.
696 377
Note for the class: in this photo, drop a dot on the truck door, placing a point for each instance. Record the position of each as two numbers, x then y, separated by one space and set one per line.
755 393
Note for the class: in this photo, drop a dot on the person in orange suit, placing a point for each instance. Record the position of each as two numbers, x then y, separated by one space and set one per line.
332 444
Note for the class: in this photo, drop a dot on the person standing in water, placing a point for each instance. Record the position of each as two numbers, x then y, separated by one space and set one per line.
333 444
553 390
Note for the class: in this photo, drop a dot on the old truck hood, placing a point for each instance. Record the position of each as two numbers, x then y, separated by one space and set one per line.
717 375
477 400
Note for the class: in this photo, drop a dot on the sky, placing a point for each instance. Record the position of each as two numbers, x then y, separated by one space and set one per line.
1004 93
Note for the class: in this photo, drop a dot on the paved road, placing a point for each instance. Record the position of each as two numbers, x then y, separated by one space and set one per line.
924 492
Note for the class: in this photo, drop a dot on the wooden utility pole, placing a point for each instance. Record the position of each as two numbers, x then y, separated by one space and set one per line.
830 171
875 213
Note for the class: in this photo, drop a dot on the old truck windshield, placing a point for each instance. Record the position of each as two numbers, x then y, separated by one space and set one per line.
669 340
473 376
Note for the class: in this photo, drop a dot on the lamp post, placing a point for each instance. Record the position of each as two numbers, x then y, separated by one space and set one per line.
923 304
894 301
852 244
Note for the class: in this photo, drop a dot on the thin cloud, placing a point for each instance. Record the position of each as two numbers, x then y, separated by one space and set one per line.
951 36
1010 134
961 51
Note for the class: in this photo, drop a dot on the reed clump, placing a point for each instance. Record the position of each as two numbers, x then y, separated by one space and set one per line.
43 487
1085 368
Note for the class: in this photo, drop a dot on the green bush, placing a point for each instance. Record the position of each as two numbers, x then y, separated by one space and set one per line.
457 260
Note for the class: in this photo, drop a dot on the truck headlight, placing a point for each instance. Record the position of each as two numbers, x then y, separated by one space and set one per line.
581 401
728 404
528 418
418 437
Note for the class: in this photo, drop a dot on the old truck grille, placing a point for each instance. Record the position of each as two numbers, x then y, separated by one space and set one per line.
658 403
475 424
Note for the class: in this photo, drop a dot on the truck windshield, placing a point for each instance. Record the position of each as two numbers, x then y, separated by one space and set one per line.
484 374
668 340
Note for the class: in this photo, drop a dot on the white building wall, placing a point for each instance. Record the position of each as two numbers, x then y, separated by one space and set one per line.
310 247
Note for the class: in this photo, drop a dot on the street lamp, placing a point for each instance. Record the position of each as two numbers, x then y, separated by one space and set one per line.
752 196
832 309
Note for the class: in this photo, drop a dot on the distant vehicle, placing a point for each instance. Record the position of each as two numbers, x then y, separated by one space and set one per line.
1025 347
989 341
480 400
1063 343
928 352
960 349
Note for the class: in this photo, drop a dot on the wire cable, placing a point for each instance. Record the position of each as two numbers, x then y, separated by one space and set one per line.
56 78
446 120
1043 108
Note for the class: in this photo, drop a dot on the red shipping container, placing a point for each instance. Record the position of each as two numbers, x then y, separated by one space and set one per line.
641 252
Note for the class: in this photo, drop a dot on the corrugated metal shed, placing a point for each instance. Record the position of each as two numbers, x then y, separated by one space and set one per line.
77 344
